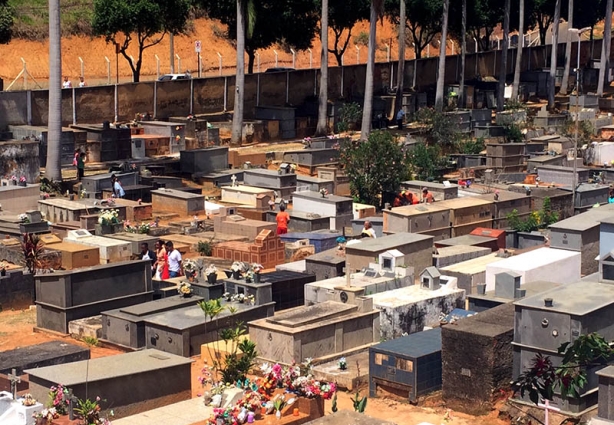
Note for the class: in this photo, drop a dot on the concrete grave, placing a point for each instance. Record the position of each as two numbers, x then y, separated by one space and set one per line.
175 132
287 287
16 290
505 157
338 208
588 195
255 197
176 201
60 210
97 183
241 226
312 157
348 417
377 224
135 240
507 290
322 240
545 160
605 410
326 264
440 191
472 272
467 213
136 211
126 326
448 255
20 198
76 255
470 240
128 382
267 250
204 161
545 264
562 175
418 250
504 203
304 222
428 219
21 158
282 183
111 250
314 184
411 362
545 321
64 296
41 355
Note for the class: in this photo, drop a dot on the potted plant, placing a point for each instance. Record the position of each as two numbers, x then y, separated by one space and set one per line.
249 276
237 268
108 222
323 192
14 180
190 269
22 181
343 365
185 290
256 269
211 274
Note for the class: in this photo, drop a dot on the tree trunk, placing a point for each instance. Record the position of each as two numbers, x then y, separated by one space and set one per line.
338 58
401 67
463 41
53 168
237 117
555 43
321 128
565 82
367 111
441 71
251 56
605 50
519 49
503 69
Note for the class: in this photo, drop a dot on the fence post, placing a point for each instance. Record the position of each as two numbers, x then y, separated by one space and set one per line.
178 64
258 89
287 87
357 53
25 74
310 58
82 68
225 92
276 59
219 55
157 67
258 59
191 96
155 99
74 107
116 105
293 58
108 70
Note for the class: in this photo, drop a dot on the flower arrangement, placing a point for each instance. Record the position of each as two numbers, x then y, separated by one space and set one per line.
184 289
46 415
211 269
108 217
243 299
343 365
82 193
28 400
89 410
57 399
293 379
190 266
257 268
238 266
24 219
141 229
22 179
13 178
323 192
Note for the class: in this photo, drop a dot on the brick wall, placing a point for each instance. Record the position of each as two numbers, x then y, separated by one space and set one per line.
248 228
268 250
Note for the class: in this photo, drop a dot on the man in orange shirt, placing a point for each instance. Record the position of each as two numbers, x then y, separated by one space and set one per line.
427 197
283 218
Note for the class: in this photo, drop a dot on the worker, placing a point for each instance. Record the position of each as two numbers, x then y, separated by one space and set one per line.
283 218
367 231
427 197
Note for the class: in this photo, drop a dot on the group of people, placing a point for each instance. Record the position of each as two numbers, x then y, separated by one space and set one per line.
408 198
67 84
165 261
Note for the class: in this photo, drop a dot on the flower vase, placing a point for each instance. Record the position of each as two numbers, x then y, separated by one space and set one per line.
3 272
278 414
212 278
107 229
256 277
23 184
216 400
14 182
190 275
236 275
248 279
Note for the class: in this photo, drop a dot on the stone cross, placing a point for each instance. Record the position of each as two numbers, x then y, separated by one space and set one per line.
547 410
70 399
15 379
234 180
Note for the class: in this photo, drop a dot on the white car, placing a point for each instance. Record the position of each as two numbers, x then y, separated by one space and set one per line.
174 77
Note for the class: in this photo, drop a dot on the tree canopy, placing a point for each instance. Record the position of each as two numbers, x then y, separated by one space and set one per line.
342 16
6 22
147 20
289 22
423 20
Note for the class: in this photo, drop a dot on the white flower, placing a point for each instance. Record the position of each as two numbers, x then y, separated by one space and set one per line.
265 368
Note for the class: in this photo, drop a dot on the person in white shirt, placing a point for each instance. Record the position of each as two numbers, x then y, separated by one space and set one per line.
174 260
147 254
67 84
367 231
82 82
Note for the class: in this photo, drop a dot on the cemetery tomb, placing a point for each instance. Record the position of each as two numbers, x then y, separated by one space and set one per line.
322 240
507 289
11 224
440 191
136 211
429 219
470 240
504 203
348 417
318 330
505 157
285 116
175 131
485 366
183 331
296 250
97 183
488 131
560 145
338 208
362 211
135 240
304 222
129 383
560 200
61 210
111 250
545 321
411 364
448 255
547 264
222 178
76 255
467 213
281 182
16 289
288 287
326 264
176 201
472 272
261 291
204 161
312 157
498 234
267 250
314 184
562 176
41 355
19 198
64 296
114 142
417 249
240 226
126 326
411 308
377 223
541 161
589 195
605 409
248 195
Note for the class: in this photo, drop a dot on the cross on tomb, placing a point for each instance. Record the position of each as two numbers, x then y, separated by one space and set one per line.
547 410
15 379
234 180
70 399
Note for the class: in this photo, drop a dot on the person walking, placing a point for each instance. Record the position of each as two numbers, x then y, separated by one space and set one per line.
147 254
81 166
160 260
283 218
173 260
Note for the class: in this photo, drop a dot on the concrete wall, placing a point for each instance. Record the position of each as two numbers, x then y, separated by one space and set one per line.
211 95
16 290
20 159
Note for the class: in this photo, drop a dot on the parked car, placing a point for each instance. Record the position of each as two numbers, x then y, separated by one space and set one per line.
173 77
279 69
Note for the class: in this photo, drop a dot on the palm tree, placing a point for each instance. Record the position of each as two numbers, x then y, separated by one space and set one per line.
367 111
503 69
401 67
244 7
53 168
605 49
555 44
461 94
441 71
565 81
519 49
323 97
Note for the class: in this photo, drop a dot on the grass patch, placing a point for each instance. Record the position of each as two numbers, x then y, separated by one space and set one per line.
32 18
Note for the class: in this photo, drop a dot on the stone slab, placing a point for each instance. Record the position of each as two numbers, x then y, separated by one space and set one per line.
41 355
311 314
348 417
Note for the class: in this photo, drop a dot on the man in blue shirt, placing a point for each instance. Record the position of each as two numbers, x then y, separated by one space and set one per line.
400 116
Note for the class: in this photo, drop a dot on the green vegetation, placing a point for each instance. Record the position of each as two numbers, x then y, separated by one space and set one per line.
205 248
349 115
93 341
6 22
536 220
32 18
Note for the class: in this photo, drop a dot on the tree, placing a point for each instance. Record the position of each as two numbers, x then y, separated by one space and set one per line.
237 116
503 69
6 22
53 168
374 166
423 20
555 43
604 65
321 128
401 65
343 15
288 22
441 70
519 50
542 14
484 17
463 42
147 20
367 112
542 378
565 80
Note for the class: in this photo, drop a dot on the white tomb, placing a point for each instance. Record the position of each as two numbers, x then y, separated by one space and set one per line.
111 250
